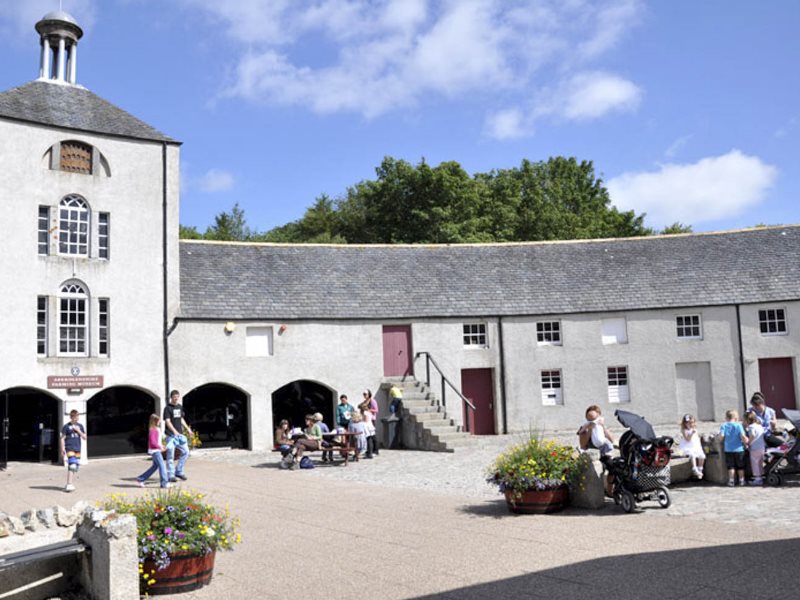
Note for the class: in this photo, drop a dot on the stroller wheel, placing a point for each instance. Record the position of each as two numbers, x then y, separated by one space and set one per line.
628 501
662 495
617 498
775 479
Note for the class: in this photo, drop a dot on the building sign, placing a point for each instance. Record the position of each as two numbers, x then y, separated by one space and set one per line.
66 382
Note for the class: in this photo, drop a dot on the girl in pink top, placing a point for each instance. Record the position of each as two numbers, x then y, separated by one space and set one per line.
154 449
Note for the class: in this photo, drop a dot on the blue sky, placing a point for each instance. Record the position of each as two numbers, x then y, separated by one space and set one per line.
689 110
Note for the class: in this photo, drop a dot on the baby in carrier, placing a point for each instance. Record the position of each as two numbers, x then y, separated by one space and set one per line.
593 433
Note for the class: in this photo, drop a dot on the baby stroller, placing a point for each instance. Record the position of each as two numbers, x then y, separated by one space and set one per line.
641 472
784 460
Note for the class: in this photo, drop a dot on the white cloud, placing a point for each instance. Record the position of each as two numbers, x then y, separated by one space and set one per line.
676 146
215 180
713 188
593 95
507 124
386 55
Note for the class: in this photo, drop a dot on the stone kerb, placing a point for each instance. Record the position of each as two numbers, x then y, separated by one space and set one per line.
109 570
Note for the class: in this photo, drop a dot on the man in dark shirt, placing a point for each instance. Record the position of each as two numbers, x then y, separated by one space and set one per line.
176 429
71 435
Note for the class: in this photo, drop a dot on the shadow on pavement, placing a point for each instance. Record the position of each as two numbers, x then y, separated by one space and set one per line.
732 572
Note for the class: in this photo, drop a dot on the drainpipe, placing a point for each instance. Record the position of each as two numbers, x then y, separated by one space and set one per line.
741 356
502 373
165 275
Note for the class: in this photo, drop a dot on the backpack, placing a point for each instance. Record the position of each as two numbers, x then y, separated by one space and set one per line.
306 463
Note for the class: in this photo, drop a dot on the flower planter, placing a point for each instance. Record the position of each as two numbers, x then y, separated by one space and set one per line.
184 573
535 502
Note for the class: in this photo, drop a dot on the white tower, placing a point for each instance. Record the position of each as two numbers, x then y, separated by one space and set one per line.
59 33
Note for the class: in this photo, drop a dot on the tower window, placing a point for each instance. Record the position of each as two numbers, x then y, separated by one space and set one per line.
76 157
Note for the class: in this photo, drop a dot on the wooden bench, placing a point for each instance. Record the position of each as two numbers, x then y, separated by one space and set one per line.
341 450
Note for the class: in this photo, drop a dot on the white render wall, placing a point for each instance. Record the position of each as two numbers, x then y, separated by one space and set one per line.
132 278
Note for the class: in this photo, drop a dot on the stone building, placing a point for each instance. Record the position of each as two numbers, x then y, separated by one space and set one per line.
107 310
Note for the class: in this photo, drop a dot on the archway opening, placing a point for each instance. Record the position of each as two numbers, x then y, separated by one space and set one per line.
218 413
116 421
299 398
32 425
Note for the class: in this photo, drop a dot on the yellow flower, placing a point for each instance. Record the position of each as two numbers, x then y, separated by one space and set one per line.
185 547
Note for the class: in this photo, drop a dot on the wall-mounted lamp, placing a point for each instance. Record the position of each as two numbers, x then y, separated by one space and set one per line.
230 327
281 329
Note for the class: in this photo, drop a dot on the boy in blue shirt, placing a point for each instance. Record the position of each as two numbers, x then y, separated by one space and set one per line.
71 435
735 441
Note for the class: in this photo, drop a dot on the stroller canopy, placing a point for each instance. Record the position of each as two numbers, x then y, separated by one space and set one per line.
638 426
793 415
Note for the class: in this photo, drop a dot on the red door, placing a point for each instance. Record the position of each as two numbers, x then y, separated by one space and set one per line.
777 383
397 351
476 384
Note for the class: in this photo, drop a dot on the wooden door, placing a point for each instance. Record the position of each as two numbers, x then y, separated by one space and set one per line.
777 383
476 384
397 360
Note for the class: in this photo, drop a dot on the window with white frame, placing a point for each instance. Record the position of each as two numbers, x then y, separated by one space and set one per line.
41 326
551 388
618 385
72 320
73 226
614 331
102 234
475 335
103 316
43 230
772 321
548 333
688 327
258 341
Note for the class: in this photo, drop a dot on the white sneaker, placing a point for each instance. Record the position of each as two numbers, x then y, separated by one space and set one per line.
69 488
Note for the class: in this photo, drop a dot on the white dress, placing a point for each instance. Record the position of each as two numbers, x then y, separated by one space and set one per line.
692 446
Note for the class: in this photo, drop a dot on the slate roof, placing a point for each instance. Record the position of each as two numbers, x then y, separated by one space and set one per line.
73 107
272 282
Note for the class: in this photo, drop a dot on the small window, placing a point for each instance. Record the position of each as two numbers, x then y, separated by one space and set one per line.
41 326
73 226
102 235
772 321
614 331
548 333
72 323
688 327
475 335
76 157
43 237
102 327
551 388
258 341
618 385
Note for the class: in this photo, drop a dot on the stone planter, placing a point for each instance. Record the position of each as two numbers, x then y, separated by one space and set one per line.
185 572
538 502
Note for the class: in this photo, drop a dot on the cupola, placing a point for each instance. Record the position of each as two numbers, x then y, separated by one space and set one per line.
59 34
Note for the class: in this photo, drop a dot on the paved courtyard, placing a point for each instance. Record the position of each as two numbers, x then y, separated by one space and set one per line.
424 525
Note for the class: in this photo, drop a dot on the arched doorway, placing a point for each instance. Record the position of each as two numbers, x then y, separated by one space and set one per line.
299 398
30 417
116 421
218 413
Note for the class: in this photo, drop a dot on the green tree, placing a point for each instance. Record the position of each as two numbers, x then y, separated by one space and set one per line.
676 227
230 226
189 233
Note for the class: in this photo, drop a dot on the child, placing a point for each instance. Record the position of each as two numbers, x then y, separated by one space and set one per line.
327 455
735 442
71 435
358 427
690 444
154 449
758 445
593 433
368 418
283 438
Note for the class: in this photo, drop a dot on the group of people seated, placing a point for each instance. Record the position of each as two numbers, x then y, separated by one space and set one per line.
357 423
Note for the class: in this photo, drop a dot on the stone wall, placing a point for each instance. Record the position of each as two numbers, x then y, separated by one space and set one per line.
108 569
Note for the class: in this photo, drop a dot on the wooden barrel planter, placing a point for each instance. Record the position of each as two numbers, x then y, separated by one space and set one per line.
184 573
535 502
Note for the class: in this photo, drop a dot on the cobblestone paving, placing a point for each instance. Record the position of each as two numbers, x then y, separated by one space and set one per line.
462 473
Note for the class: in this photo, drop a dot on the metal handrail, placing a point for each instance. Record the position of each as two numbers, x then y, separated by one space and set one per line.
445 381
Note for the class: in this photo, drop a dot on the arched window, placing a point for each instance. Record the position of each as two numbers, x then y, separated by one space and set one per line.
73 226
73 302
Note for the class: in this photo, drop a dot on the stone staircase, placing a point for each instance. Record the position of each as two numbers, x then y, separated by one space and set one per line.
428 426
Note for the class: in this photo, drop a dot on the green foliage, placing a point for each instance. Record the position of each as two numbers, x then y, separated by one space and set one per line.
230 226
535 465
189 233
676 227
173 521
